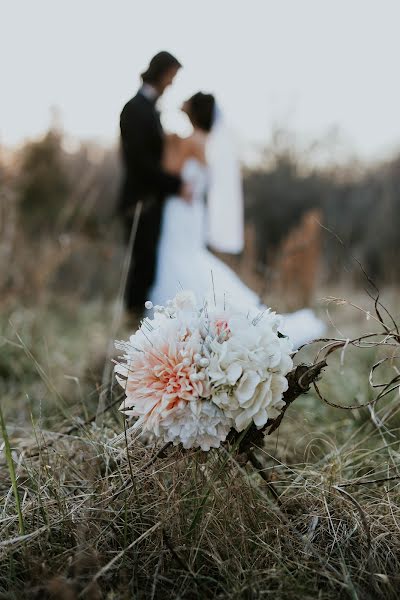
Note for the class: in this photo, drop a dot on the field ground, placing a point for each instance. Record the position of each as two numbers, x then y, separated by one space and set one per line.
96 520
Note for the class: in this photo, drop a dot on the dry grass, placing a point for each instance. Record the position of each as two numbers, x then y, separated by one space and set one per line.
101 522
99 519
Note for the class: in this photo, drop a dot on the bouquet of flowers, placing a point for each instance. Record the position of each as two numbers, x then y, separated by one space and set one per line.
193 372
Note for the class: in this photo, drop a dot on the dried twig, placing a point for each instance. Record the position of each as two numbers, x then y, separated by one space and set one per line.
369 481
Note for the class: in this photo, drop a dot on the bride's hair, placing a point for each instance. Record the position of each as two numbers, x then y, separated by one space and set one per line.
201 110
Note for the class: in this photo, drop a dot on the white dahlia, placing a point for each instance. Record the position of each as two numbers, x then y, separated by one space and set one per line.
192 373
247 370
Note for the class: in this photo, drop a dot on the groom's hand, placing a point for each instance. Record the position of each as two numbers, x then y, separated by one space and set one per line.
186 192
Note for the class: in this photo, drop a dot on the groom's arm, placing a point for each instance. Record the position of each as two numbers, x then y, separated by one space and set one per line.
140 137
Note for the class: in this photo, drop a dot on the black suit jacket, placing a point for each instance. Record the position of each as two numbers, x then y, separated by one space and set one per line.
142 141
142 147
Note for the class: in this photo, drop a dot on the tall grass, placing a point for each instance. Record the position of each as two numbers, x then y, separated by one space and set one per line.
104 520
11 470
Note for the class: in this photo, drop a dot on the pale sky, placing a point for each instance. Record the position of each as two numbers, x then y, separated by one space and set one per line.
308 65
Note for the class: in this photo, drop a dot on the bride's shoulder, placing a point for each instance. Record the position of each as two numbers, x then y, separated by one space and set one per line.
182 146
195 147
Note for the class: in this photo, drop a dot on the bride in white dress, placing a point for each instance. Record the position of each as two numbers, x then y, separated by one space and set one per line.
183 259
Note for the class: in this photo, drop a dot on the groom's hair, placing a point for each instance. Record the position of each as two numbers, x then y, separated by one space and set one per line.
158 66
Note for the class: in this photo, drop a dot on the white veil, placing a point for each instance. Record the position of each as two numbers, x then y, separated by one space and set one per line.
225 195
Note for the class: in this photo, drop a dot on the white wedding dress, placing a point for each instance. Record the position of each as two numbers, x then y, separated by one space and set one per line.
184 263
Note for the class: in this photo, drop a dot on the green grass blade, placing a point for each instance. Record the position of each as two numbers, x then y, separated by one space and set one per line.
10 464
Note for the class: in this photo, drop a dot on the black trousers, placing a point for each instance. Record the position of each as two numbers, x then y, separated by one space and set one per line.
142 271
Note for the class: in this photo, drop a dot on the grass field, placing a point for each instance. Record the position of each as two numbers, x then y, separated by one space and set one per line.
86 513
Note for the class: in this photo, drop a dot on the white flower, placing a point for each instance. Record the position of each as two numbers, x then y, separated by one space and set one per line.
247 370
247 387
200 424
192 373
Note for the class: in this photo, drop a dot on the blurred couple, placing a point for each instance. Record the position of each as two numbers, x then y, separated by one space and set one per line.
181 195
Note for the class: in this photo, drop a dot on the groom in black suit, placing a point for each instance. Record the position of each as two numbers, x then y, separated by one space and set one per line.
145 181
